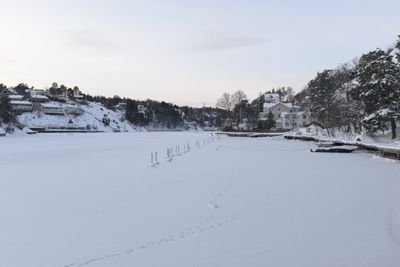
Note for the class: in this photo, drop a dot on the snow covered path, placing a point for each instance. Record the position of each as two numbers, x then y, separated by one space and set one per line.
92 200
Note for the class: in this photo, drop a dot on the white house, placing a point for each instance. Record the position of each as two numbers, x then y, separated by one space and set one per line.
292 120
272 98
276 109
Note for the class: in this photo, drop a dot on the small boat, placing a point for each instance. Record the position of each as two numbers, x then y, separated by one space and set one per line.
325 144
336 149
29 131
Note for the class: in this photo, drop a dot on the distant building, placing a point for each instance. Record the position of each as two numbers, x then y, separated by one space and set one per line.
121 106
77 94
73 109
8 91
52 109
276 108
15 97
21 106
286 115
38 96
292 120
272 98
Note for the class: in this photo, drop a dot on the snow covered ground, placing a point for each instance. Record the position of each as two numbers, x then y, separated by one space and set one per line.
92 200
379 140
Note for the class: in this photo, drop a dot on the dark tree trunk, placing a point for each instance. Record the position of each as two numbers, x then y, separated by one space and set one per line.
393 125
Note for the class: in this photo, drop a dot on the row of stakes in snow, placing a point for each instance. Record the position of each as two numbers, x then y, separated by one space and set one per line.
176 151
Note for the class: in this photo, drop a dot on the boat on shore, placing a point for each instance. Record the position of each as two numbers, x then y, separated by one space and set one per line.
335 149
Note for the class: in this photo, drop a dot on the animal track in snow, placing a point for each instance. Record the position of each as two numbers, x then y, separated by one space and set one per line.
201 228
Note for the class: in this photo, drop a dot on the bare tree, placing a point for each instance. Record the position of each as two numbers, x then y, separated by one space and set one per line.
289 94
225 102
238 97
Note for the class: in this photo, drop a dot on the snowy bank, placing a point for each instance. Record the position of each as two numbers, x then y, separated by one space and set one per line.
317 134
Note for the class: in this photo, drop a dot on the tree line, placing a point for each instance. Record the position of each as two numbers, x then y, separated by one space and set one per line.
363 95
155 114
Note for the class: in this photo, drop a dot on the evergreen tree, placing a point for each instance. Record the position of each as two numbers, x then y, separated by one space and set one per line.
21 88
2 88
322 96
6 113
377 88
348 110
270 123
398 49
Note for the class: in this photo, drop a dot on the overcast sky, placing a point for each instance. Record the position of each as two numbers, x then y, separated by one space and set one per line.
185 51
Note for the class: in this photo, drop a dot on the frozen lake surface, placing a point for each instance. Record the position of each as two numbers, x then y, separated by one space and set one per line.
92 200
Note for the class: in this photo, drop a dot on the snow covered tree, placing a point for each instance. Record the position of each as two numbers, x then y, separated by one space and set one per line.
398 49
348 110
322 90
377 88
106 120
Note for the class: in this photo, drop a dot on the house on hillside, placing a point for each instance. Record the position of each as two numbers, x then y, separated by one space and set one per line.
20 106
52 109
38 96
8 91
121 106
75 94
15 97
73 109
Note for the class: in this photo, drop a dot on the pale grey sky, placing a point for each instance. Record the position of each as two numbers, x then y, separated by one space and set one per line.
186 52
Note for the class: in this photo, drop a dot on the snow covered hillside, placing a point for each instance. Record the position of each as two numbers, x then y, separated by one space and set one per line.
384 139
93 200
90 117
